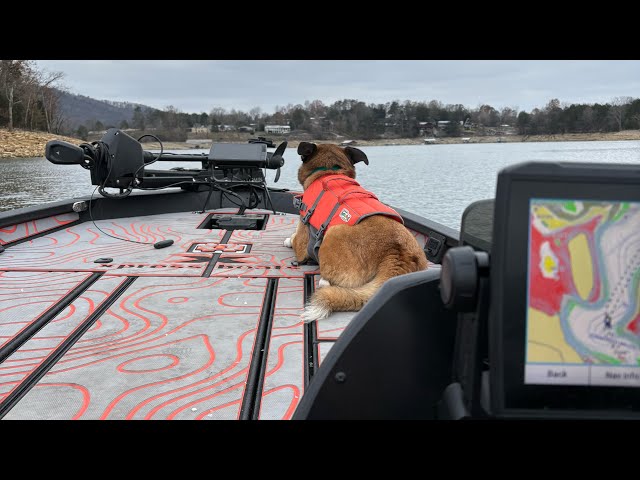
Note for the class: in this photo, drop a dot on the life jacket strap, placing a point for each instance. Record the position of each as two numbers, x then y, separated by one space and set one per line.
307 215
326 223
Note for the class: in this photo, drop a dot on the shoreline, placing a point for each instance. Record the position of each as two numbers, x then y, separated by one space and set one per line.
293 141
27 144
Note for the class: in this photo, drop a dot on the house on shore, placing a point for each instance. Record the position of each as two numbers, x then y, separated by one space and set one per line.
197 128
279 129
425 128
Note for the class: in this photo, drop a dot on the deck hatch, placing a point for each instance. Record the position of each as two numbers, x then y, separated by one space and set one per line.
226 221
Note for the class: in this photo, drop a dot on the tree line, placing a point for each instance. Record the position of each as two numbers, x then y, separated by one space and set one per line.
394 119
622 113
28 98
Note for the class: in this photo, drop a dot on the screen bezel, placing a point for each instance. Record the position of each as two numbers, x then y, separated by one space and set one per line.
509 285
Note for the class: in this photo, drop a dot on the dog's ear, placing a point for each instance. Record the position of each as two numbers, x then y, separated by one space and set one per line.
356 155
306 149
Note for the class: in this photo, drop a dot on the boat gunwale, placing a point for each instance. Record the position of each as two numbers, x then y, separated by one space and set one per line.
103 208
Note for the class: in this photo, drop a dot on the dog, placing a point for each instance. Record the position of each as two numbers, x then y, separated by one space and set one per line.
355 256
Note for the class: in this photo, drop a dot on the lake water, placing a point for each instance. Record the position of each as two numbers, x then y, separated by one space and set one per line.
435 181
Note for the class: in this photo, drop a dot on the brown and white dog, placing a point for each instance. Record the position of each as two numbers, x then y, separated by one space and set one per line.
355 260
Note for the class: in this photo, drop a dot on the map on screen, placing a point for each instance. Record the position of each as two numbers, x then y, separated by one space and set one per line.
583 293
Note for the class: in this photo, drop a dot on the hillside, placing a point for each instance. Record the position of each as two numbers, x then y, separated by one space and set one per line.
81 110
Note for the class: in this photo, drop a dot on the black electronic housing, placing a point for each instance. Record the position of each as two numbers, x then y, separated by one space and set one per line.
506 391
121 160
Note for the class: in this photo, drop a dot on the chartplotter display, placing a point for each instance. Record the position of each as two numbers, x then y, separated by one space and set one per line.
564 322
583 293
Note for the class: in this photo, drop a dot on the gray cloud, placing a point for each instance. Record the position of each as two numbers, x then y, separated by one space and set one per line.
199 85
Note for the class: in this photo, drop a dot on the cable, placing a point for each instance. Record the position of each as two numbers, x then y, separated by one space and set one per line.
254 199
104 150
108 235
229 191
159 244
98 153
224 191
152 161
266 196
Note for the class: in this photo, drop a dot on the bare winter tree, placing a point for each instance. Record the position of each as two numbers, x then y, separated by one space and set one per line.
509 115
317 109
171 117
217 113
618 109
28 98
50 98
255 113
12 73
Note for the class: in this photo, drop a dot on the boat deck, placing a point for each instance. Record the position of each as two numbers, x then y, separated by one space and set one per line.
207 328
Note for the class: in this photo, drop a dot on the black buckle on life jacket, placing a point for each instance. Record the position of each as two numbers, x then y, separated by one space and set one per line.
321 230
307 216
297 203
325 224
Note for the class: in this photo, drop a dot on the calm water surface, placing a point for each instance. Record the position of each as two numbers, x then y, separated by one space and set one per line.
435 181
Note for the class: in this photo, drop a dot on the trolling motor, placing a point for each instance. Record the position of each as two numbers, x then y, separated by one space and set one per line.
119 161
114 161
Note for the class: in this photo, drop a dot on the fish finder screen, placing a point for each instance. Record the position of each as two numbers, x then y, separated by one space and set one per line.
583 293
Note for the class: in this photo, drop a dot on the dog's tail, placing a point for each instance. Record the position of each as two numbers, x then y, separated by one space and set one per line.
338 299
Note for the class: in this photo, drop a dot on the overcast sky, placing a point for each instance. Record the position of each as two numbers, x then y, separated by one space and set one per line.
199 85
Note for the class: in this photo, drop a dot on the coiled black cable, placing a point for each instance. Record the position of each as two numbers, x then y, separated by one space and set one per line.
98 153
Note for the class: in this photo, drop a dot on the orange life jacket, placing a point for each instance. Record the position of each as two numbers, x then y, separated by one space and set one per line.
336 199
